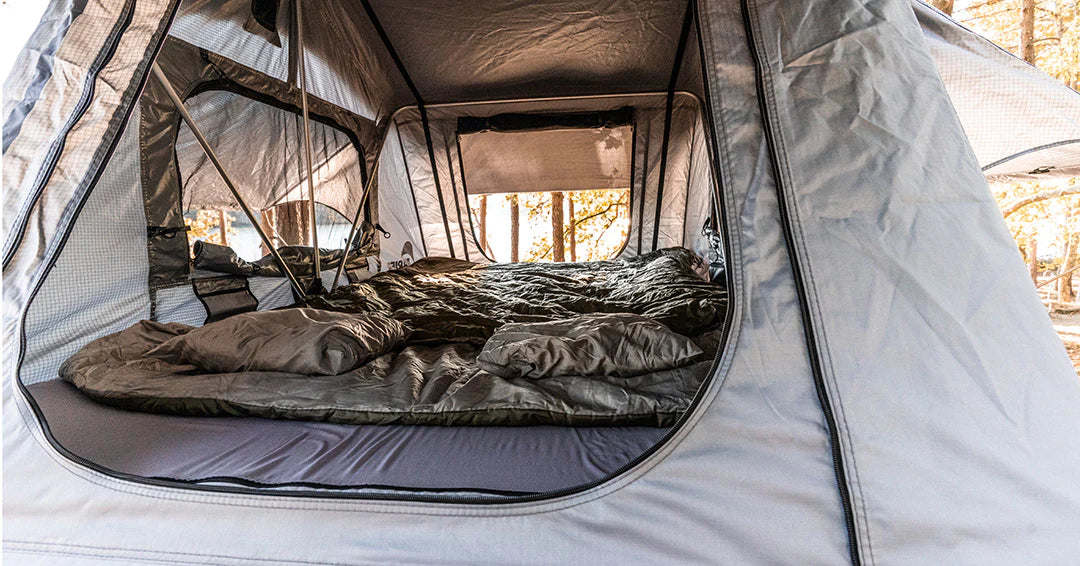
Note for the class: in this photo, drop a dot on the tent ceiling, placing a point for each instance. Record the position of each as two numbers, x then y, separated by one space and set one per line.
459 50
496 49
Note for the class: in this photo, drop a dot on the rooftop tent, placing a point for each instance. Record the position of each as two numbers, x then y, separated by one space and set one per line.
868 403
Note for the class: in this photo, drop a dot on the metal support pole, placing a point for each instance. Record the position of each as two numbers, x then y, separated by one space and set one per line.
1059 276
368 186
356 219
224 176
316 282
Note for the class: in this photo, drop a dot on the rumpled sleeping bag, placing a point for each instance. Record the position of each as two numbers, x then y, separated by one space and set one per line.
620 345
451 308
306 341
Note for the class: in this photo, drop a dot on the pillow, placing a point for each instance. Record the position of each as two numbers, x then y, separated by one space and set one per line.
297 340
618 345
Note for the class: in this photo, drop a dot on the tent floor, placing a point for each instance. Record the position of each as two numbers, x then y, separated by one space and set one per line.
279 452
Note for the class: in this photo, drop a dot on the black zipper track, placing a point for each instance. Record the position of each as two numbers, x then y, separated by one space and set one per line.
328 491
19 229
800 288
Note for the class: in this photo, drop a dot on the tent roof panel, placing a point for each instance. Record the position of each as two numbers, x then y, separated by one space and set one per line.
488 49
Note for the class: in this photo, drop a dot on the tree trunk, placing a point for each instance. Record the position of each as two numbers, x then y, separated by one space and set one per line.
1066 293
293 223
945 6
573 227
1033 258
1027 30
223 227
558 231
515 225
266 220
483 222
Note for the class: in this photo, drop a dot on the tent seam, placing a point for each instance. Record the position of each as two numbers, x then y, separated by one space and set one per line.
813 295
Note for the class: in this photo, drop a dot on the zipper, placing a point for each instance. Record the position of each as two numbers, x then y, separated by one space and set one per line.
45 173
800 288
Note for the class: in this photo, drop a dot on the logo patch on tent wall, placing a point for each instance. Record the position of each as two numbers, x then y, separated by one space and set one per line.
406 257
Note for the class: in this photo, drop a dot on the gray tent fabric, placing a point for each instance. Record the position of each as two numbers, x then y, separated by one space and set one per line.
870 404
910 316
373 90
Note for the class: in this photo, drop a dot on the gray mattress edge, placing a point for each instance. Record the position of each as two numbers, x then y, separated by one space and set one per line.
530 459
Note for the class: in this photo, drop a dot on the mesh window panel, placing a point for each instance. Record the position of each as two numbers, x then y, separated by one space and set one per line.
1017 118
261 146
98 285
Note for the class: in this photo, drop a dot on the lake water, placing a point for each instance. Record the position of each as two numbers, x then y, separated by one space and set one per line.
245 240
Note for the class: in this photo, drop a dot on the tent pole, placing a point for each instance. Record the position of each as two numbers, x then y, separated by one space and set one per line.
368 186
316 282
224 176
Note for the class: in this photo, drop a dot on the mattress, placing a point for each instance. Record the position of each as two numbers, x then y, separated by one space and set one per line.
531 459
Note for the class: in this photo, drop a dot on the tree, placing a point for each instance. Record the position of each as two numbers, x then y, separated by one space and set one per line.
572 233
1070 262
1027 31
1042 215
945 6
600 224
213 226
1009 208
558 231
515 227
1033 258
483 221
294 222
267 219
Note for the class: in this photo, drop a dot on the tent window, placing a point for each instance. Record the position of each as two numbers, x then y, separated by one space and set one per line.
248 136
287 224
553 194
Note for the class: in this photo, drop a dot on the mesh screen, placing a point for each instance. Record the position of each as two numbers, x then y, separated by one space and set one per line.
179 304
261 148
1008 108
98 285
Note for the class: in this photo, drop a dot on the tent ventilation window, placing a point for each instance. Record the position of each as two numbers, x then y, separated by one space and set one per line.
279 194
548 187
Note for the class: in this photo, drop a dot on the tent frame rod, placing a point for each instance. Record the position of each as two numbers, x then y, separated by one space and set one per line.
368 187
420 105
1059 276
669 107
316 281
225 176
